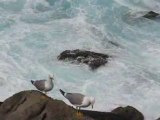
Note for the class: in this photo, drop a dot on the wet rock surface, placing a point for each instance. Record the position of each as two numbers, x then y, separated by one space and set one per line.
92 59
151 15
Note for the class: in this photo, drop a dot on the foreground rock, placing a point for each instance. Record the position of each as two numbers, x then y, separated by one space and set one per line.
151 15
94 60
33 105
129 113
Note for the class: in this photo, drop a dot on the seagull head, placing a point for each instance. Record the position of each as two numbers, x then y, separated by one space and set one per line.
51 77
92 101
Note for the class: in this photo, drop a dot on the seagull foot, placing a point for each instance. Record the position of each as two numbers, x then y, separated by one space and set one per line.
80 115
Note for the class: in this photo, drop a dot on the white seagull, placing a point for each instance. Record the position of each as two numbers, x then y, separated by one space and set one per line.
44 85
79 100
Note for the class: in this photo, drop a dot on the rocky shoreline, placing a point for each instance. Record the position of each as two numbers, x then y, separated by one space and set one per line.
34 105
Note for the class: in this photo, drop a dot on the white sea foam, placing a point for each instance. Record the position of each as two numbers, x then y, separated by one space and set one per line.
141 4
34 32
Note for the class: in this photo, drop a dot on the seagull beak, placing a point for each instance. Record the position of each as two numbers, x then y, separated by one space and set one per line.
50 77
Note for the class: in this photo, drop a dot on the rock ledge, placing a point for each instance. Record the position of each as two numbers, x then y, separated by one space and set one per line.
34 105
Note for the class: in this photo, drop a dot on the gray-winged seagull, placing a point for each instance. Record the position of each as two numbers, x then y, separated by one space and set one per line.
44 85
79 100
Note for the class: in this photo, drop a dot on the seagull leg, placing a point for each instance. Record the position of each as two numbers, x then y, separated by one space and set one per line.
80 115
77 110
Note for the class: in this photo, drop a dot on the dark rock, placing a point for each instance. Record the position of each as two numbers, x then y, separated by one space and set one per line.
1 103
114 43
102 115
129 113
34 105
158 119
151 15
94 60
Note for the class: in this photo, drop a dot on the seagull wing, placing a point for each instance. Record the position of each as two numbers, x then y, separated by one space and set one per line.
40 84
75 98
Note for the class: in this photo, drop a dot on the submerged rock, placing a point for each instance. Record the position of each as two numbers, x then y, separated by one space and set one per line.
114 43
151 15
93 59
34 105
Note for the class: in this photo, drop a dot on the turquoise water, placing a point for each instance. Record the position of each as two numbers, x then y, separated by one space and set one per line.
34 32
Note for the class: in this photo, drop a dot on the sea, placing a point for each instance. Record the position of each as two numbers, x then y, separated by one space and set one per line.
34 32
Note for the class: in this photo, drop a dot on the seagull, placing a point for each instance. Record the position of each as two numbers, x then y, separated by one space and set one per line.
44 85
79 100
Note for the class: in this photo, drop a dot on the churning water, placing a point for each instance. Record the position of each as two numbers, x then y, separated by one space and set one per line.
34 32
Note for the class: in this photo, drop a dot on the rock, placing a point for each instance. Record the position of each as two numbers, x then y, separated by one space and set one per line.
102 115
94 60
151 15
1 103
129 113
114 43
34 105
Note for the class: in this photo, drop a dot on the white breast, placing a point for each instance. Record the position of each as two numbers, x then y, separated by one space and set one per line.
48 85
85 102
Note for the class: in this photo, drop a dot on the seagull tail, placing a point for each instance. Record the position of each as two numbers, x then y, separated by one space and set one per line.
32 81
62 92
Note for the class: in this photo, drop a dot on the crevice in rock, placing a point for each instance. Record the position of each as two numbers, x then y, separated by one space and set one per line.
19 104
44 116
13 107
38 110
